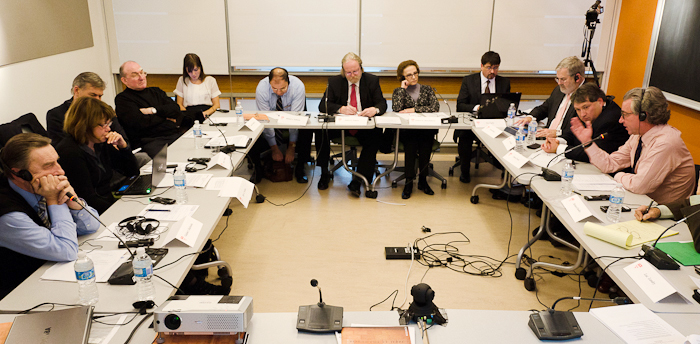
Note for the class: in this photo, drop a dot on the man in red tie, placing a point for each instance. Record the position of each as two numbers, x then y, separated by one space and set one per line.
353 92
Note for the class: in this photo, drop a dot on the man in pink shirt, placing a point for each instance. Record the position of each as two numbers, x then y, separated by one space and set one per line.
661 165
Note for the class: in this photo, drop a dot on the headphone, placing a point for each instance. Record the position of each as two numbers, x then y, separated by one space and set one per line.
576 77
642 114
22 174
139 225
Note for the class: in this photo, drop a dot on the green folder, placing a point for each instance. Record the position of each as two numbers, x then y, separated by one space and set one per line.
683 252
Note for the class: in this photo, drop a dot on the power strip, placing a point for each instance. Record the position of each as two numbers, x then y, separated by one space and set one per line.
401 253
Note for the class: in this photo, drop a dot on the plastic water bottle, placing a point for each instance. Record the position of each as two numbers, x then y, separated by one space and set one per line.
567 177
616 197
85 274
180 182
239 114
511 115
143 274
197 132
531 132
520 139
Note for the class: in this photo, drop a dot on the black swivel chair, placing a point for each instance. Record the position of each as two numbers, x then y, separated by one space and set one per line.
24 124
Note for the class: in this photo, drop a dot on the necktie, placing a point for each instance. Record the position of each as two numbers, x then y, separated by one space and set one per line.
353 103
43 212
488 90
279 106
560 113
636 155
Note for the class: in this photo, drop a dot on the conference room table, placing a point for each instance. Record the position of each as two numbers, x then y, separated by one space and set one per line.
119 298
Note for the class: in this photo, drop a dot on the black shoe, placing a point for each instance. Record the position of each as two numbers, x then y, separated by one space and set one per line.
257 175
425 188
407 190
300 175
465 178
354 188
324 180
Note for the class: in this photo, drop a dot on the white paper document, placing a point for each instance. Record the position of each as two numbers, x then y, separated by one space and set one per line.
544 159
221 160
637 324
515 158
185 232
105 261
593 182
387 120
650 280
424 121
238 188
354 120
163 212
251 125
576 208
207 134
509 143
287 119
194 180
435 114
403 115
223 119
492 131
240 141
216 183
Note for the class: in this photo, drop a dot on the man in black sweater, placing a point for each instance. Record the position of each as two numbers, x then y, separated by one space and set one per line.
150 118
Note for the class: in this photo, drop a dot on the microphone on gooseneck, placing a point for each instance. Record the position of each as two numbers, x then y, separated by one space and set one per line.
314 283
551 175
660 259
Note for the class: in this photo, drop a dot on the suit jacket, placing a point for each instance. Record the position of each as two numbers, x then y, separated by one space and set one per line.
470 91
607 122
56 116
549 108
370 94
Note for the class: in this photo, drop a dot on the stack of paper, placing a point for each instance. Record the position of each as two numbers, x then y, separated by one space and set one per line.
593 182
637 324
628 234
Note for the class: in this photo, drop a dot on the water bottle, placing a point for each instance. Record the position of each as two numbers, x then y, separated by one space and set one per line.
180 182
85 274
567 177
520 140
531 132
616 197
197 132
143 274
239 114
511 115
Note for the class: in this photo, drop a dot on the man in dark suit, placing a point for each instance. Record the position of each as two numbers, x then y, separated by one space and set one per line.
353 92
473 86
558 108
593 106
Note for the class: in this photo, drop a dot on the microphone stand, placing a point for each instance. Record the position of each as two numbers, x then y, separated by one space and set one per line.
551 175
660 259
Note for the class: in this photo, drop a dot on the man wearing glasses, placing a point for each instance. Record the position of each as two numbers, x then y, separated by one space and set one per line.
151 118
473 86
558 108
353 92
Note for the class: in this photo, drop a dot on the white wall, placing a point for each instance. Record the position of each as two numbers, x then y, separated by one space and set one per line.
41 84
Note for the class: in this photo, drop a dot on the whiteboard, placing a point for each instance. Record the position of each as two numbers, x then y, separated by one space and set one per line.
310 33
538 34
158 33
444 34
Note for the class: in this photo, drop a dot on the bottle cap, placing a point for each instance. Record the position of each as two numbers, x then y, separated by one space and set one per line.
81 254
196 122
140 250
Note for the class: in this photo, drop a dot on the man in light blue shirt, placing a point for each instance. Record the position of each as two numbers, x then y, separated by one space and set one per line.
39 220
280 91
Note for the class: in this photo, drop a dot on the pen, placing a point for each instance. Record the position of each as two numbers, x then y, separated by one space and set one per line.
157 209
647 210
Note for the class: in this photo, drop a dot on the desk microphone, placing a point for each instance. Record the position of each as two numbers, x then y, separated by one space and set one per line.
319 317
559 325
660 259
451 118
227 148
550 175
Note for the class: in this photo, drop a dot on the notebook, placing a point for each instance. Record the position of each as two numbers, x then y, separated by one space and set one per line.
144 184
495 105
65 326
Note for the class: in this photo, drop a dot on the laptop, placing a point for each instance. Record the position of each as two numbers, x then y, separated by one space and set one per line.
144 184
70 325
495 105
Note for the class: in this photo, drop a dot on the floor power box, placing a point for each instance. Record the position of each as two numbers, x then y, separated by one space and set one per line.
204 314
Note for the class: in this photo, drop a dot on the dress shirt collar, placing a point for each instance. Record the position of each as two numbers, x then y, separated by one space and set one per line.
32 199
492 84
357 84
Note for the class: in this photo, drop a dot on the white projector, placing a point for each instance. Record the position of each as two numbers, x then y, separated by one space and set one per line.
204 314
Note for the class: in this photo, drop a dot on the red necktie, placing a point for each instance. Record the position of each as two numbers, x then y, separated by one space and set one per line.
353 103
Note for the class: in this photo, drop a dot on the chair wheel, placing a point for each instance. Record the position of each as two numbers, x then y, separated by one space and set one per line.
530 284
443 185
394 184
451 172
371 194
520 273
474 199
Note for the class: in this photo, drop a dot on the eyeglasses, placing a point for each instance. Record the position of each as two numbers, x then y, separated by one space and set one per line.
355 72
412 75
625 114
563 80
283 89
492 67
140 73
106 125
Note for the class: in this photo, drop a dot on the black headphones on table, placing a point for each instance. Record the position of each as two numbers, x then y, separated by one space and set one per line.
139 225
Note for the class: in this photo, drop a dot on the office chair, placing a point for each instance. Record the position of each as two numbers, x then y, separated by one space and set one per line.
24 124
431 171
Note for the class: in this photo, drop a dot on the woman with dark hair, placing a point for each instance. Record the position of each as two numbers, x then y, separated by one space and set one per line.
413 97
196 92
90 152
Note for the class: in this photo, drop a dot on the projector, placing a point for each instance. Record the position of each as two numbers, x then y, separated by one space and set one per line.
204 314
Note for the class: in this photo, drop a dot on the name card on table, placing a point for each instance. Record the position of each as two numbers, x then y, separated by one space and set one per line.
648 278
220 159
509 143
492 131
576 208
515 158
351 120
482 123
251 125
238 188
544 159
425 121
185 232
287 119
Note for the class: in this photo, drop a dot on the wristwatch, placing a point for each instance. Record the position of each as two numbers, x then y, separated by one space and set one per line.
377 109
153 110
